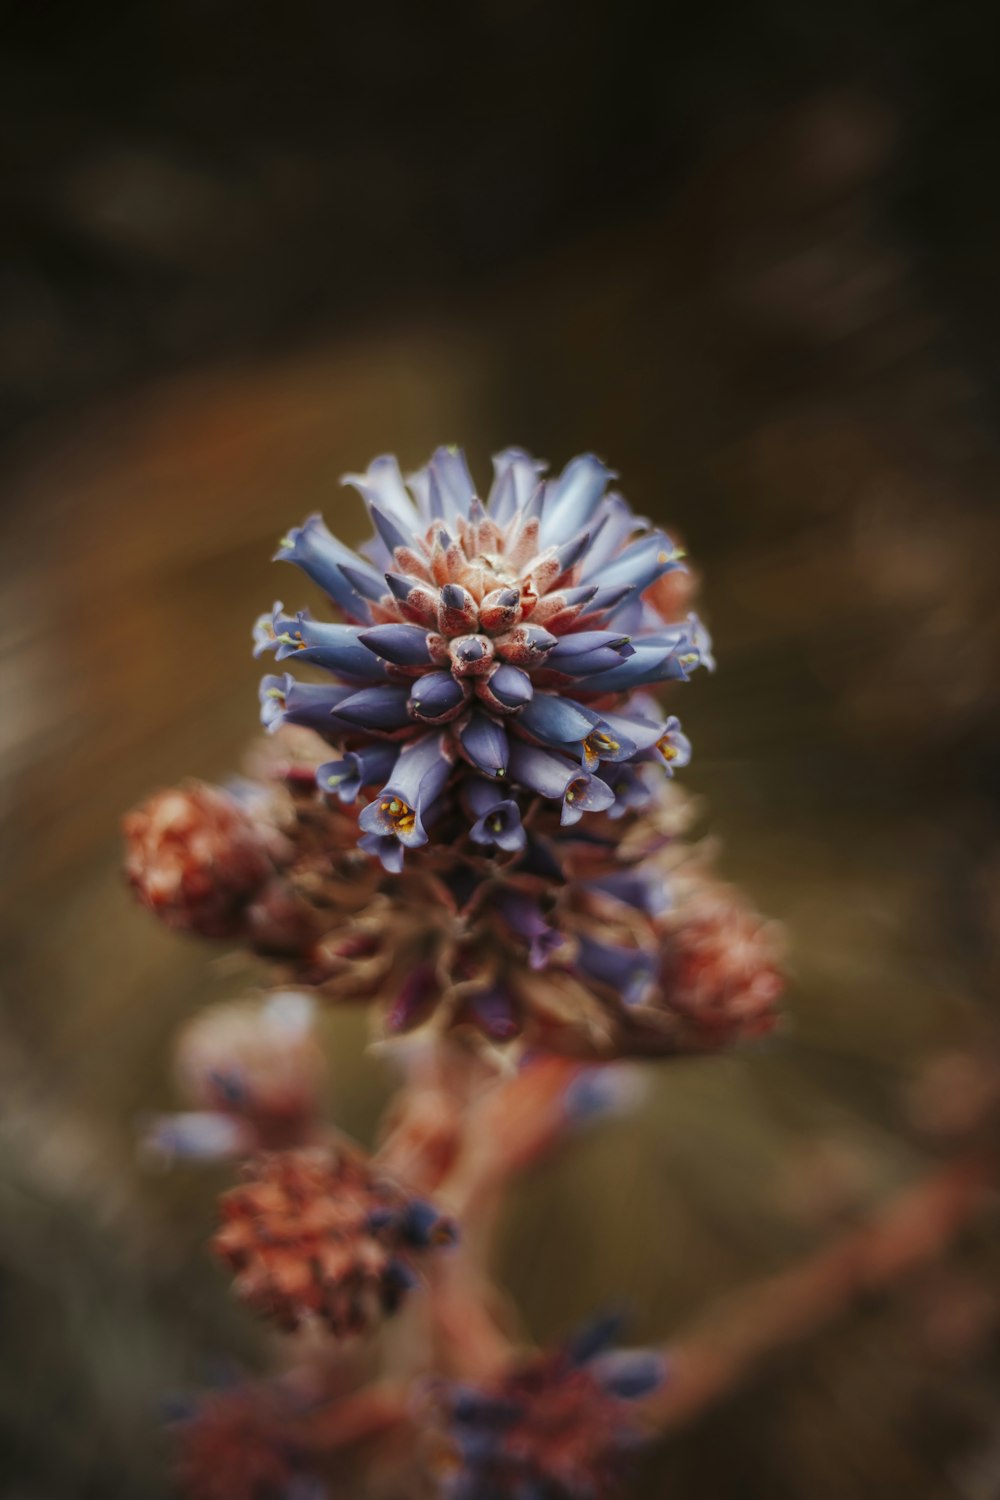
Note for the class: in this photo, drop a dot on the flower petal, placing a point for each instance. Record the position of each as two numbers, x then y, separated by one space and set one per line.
285 700
344 778
381 708
517 477
435 696
651 661
573 497
673 746
485 743
450 473
500 825
386 849
404 645
556 721
419 774
321 557
338 648
630 1374
585 794
541 771
640 564
510 686
382 485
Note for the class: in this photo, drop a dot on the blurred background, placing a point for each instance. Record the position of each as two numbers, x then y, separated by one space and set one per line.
745 253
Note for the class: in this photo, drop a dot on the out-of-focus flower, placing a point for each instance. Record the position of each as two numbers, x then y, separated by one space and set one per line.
313 1433
253 1070
673 594
269 864
558 1426
196 1135
196 858
235 1445
317 1233
490 652
721 966
257 1059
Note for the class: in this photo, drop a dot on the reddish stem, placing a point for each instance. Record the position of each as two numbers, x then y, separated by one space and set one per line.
715 1357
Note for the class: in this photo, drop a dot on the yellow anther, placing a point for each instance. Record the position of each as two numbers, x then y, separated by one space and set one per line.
596 742
401 815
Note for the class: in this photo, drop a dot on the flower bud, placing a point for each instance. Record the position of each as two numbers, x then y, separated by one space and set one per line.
316 1234
196 858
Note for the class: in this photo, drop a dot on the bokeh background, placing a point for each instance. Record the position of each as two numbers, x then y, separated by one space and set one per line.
748 254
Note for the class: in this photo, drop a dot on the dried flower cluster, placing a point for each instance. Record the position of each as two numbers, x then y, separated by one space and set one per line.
608 939
316 1233
196 859
469 824
235 1445
560 1424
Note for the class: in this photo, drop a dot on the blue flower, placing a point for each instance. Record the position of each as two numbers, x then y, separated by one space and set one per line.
498 819
420 771
284 700
673 747
344 778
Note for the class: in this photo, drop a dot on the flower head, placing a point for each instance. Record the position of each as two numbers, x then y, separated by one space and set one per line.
196 858
252 1073
487 649
266 862
316 1233
721 966
556 1425
235 1445
257 1061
